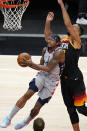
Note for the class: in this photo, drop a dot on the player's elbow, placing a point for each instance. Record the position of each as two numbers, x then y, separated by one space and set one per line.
47 35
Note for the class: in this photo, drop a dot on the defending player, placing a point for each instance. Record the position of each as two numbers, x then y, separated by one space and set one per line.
46 81
72 84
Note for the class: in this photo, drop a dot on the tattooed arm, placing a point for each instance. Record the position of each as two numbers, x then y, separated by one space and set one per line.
58 57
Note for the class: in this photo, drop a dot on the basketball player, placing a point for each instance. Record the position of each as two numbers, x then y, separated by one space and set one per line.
45 82
72 83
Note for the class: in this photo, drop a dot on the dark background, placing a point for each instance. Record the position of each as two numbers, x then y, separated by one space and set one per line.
33 23
33 20
33 45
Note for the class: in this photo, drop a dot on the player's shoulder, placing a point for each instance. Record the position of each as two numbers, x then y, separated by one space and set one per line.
74 44
59 53
65 39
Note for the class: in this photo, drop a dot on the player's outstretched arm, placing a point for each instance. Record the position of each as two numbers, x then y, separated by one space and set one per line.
68 24
58 57
47 30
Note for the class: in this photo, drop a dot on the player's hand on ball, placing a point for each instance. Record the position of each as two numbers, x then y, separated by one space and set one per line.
27 62
23 59
50 16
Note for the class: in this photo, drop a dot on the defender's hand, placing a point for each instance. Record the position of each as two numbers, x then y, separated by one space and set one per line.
60 2
50 16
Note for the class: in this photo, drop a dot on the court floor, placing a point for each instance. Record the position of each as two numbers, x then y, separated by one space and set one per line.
14 82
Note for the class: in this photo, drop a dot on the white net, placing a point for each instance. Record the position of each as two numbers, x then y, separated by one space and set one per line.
13 16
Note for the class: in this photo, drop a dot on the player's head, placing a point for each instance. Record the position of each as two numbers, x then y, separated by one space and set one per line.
78 28
53 40
38 124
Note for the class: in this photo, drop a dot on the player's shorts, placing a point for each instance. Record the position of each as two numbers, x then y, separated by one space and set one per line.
33 87
73 92
43 101
43 86
46 86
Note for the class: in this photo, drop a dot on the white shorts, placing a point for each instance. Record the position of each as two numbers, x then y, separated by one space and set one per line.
45 86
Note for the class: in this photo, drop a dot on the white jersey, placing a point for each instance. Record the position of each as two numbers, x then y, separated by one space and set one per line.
54 74
48 81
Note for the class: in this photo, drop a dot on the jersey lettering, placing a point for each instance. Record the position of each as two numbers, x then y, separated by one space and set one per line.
64 46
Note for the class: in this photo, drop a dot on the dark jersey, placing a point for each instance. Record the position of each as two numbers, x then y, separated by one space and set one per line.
71 69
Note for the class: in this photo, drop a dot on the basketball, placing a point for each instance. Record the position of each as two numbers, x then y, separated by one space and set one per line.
27 56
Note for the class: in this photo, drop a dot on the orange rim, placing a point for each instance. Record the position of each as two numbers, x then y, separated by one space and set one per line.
12 6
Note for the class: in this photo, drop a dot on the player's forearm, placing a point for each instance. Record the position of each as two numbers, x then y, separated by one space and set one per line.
66 17
47 30
39 67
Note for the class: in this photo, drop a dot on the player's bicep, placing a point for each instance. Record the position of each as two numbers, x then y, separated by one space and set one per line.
51 65
58 57
74 35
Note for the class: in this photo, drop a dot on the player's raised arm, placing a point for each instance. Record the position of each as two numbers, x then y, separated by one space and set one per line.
58 57
73 32
47 30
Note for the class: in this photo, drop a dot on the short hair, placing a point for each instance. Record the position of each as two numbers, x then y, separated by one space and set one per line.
81 29
38 124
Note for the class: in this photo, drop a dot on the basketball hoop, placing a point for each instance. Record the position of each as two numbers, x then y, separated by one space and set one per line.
13 11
